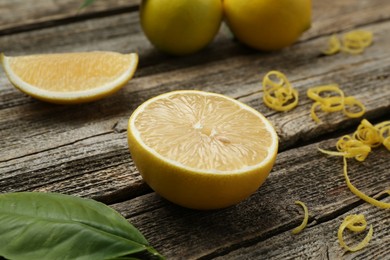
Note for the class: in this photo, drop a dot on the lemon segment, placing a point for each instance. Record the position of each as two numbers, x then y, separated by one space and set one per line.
201 150
70 77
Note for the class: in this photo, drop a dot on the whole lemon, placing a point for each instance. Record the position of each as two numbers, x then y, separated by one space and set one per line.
180 27
268 24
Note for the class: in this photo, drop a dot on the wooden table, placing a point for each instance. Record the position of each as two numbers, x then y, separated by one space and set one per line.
82 150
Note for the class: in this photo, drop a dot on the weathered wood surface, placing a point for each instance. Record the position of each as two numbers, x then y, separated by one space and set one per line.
84 151
17 15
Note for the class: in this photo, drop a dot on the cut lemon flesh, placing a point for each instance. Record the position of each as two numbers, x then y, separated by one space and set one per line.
70 77
201 150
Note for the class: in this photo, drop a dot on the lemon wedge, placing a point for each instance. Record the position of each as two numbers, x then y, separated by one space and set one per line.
69 78
201 150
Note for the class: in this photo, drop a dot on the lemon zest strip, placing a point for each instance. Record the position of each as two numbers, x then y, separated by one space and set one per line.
313 112
349 148
305 218
333 102
384 132
334 45
368 134
353 102
280 96
360 156
355 223
314 92
353 148
355 42
360 194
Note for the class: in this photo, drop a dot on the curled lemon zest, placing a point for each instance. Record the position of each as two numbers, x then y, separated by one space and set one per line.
350 102
334 45
279 95
305 218
360 194
368 134
384 132
355 223
352 148
334 101
314 92
355 42
313 112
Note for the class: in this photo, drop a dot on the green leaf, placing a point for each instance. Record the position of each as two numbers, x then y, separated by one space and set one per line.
54 226
86 3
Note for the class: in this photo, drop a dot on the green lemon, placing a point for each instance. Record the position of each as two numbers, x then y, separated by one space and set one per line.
180 27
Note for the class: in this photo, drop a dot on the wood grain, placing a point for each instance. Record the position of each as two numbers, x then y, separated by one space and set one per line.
19 15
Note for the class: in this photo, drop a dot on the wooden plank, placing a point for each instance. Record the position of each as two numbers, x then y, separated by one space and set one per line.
19 15
270 214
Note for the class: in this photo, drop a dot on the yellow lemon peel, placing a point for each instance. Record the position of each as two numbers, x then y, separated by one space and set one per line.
350 102
384 132
355 42
354 190
305 218
334 45
359 146
279 95
350 148
368 134
355 223
334 101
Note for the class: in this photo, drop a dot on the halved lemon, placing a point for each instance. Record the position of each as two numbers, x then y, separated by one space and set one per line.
68 78
201 150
